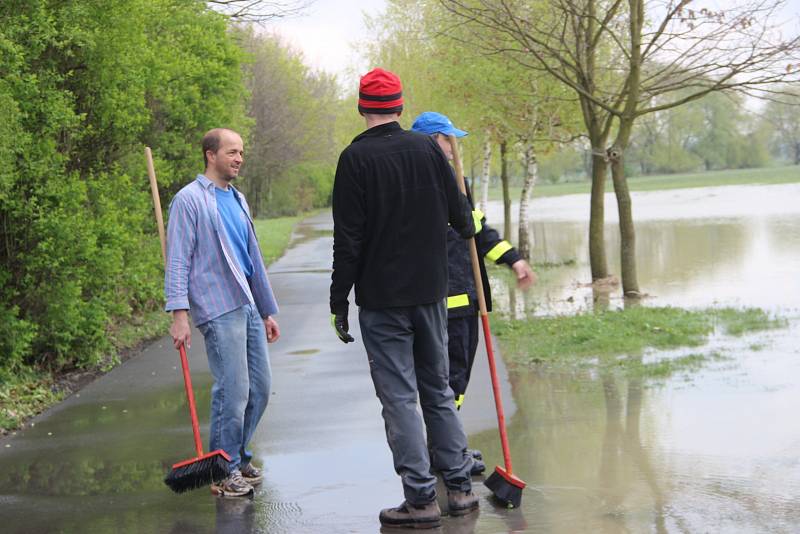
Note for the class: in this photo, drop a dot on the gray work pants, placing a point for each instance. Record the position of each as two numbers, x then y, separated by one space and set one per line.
407 352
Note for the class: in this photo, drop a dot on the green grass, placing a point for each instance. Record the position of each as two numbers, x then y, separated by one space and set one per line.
619 338
31 392
140 327
28 395
765 176
274 235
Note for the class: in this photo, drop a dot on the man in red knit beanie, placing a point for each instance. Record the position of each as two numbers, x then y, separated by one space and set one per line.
393 197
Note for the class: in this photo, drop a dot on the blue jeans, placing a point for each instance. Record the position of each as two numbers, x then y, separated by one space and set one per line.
236 344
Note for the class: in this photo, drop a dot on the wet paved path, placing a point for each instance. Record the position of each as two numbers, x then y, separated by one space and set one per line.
95 462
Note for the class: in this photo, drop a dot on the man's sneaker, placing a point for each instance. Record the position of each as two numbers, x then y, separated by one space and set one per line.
252 474
408 515
461 502
477 468
233 486
475 453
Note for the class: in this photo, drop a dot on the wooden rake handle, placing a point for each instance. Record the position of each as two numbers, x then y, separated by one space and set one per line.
187 380
151 172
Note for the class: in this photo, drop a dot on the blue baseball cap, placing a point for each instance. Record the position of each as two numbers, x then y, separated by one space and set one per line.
431 122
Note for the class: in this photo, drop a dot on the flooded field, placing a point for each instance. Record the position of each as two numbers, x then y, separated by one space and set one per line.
712 450
737 245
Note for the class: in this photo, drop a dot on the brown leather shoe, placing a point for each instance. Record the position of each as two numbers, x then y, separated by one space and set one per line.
461 502
408 515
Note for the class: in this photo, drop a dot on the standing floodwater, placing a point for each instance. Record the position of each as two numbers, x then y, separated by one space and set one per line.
710 450
695 247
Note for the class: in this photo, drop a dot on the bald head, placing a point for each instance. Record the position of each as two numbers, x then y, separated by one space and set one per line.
212 141
223 154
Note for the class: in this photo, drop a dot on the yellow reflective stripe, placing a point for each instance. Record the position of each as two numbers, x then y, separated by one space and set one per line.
459 400
456 301
498 250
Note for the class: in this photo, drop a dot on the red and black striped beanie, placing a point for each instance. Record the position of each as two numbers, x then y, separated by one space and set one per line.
380 91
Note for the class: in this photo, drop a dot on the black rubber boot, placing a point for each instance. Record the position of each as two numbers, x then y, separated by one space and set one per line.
477 468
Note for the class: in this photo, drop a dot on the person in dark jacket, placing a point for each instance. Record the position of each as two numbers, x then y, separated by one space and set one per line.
462 299
393 196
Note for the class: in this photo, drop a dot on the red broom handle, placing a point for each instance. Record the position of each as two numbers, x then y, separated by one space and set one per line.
187 381
498 400
487 334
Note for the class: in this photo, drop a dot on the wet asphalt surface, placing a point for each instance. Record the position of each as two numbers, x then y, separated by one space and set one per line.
95 462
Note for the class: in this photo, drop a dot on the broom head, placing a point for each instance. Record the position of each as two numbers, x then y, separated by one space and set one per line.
198 472
506 487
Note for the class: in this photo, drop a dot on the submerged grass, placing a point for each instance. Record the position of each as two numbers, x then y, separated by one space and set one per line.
619 338
666 367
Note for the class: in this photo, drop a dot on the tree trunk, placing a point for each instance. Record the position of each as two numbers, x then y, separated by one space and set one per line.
472 174
506 193
597 246
630 282
525 241
487 167
797 153
616 155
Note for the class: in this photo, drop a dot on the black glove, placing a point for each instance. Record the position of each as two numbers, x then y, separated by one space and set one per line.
339 324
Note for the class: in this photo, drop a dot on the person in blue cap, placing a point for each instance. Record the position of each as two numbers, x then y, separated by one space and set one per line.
462 299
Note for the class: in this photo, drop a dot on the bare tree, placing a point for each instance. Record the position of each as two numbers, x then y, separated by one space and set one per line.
627 58
259 11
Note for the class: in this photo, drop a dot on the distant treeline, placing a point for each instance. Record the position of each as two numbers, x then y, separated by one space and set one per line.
713 133
84 86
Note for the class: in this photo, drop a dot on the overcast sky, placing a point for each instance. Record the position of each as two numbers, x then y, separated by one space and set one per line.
329 32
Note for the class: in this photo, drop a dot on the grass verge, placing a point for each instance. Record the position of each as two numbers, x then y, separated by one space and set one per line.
619 338
764 176
32 390
274 235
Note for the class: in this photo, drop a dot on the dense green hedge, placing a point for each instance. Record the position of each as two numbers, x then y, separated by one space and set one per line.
84 86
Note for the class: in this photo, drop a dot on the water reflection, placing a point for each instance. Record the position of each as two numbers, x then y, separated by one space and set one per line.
604 453
688 263
609 453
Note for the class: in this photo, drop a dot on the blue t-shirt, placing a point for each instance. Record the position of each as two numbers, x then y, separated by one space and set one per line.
234 219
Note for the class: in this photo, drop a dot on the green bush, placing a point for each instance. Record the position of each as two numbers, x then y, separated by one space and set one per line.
84 86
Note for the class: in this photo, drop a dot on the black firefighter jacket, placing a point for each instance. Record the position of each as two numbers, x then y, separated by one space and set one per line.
462 299
393 196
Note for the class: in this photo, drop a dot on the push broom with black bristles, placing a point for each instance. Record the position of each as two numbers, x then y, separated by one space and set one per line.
203 469
506 487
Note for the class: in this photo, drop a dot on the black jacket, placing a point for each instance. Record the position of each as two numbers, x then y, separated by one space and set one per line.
462 299
393 196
